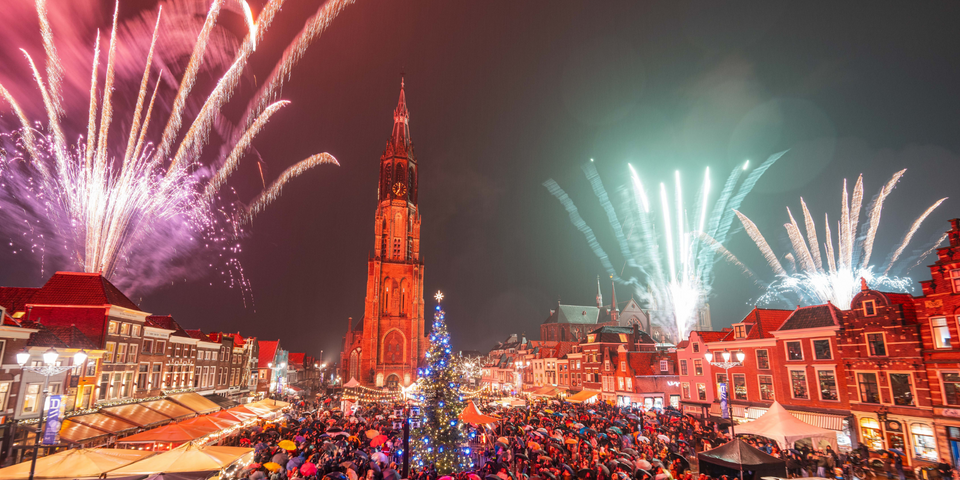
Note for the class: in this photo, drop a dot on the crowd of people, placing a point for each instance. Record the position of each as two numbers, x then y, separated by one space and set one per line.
548 440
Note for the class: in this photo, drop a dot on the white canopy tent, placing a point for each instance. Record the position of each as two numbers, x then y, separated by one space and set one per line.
780 425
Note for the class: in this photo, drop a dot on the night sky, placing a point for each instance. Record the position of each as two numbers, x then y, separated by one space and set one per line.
505 95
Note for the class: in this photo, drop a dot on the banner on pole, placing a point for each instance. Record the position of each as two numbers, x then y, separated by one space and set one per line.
723 401
51 428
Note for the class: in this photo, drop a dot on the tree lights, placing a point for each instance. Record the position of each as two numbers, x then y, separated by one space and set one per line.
440 436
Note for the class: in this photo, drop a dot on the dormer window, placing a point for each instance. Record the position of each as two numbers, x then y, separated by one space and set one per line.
739 331
869 308
955 277
696 347
591 338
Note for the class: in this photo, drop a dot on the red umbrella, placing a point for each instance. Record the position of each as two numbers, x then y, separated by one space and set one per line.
378 440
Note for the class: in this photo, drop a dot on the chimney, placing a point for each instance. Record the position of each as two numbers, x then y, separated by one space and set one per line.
349 324
954 232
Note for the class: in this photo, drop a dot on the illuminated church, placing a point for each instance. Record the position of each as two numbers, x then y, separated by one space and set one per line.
386 346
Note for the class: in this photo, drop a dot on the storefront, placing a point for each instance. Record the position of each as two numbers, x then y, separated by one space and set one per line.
837 423
915 436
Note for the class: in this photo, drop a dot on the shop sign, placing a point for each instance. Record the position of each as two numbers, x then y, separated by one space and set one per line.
673 384
951 412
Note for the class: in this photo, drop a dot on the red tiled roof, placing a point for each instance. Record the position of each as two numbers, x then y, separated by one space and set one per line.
91 320
295 358
812 317
709 336
238 340
761 323
268 351
71 288
198 334
15 299
59 336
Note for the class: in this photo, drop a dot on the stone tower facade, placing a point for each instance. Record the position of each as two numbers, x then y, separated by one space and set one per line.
390 342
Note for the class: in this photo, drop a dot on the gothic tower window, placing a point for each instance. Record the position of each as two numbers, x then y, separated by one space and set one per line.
355 364
401 177
393 347
404 295
413 185
395 299
387 175
385 298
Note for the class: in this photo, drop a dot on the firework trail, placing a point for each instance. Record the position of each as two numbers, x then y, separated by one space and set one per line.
129 210
805 276
670 259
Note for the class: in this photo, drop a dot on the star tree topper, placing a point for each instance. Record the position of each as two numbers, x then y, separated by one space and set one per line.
438 296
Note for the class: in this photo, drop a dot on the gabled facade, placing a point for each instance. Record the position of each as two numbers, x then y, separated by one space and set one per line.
697 392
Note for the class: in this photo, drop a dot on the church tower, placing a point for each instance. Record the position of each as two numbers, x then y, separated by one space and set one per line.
392 341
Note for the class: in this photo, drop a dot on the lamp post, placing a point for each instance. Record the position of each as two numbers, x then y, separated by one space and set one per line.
48 369
520 366
726 365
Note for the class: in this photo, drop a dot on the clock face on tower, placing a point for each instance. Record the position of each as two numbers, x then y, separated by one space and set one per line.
399 189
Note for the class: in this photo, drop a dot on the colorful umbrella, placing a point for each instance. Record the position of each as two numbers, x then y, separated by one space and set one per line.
372 433
308 469
273 467
287 445
378 440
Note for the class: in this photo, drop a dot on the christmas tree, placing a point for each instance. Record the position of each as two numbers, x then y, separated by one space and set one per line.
440 438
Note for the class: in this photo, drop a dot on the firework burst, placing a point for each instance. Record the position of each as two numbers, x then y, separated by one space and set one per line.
671 251
136 212
807 278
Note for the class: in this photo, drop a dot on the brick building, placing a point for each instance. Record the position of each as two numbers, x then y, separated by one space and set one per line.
938 314
697 393
388 345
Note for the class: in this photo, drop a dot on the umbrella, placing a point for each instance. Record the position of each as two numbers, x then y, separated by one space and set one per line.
372 433
308 469
503 440
615 430
273 467
571 441
287 445
76 462
663 437
897 451
380 457
378 440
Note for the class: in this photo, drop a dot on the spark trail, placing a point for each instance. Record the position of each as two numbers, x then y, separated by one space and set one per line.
670 258
806 277
132 211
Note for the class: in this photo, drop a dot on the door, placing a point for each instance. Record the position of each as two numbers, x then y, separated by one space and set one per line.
85 398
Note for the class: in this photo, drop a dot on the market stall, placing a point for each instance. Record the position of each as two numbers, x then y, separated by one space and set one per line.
75 463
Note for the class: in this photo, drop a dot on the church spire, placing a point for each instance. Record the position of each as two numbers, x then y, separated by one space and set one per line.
401 122
599 295
614 310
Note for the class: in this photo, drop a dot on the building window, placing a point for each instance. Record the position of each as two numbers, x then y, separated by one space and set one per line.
955 276
686 390
739 386
951 388
828 385
31 398
821 350
111 348
125 329
924 445
698 367
132 356
623 366
869 391
683 367
869 308
941 332
620 383
701 391
629 384
91 367
877 347
794 351
161 347
763 360
135 330
147 345
155 376
740 331
112 327
664 365
766 388
696 347
142 374
900 388
122 353
798 384
870 433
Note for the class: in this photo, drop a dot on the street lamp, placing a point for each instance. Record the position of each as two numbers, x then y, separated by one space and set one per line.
520 366
726 365
48 369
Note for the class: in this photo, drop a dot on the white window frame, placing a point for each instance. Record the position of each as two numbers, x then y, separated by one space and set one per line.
664 365
876 375
757 356
883 335
913 387
733 388
943 391
786 351
806 382
739 330
938 343
836 383
873 304
685 389
813 347
760 388
955 279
